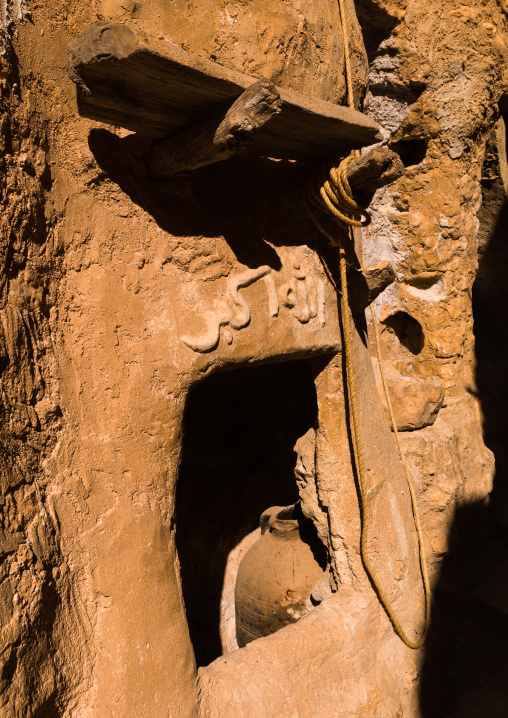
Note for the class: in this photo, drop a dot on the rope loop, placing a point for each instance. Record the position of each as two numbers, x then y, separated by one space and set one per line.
330 192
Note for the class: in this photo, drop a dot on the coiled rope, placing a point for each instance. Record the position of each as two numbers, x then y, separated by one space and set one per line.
330 192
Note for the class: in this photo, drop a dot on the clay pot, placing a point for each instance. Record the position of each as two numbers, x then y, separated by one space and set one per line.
276 576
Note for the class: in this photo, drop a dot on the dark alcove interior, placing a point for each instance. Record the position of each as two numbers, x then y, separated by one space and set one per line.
238 460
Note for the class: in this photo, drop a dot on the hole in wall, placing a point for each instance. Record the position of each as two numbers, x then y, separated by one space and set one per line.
412 152
408 331
429 286
238 460
425 280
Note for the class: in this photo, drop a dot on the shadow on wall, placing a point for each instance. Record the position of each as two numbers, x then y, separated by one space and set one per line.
465 674
490 307
376 23
251 201
466 658
238 460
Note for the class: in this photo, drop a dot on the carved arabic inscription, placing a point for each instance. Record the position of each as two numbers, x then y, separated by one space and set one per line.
304 296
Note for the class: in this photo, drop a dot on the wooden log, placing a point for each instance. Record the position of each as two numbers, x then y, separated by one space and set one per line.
217 138
376 168
158 89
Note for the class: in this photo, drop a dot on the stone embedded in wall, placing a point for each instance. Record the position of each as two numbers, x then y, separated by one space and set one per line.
415 402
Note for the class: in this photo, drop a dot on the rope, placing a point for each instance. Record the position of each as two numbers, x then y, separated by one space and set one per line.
347 57
414 505
336 196
333 194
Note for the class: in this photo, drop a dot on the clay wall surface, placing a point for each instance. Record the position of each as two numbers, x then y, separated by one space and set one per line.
169 348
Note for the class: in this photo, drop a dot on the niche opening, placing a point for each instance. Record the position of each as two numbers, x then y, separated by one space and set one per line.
408 331
238 460
412 152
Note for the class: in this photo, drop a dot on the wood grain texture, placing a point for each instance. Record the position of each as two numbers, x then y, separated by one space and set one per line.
219 137
377 168
158 89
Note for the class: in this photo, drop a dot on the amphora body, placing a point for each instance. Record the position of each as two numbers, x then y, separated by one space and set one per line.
276 576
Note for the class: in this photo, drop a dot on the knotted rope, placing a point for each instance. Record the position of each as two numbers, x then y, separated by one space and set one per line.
330 192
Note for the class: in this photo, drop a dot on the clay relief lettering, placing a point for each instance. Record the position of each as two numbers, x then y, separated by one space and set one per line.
303 296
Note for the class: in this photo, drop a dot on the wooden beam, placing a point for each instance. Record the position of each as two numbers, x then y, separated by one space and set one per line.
217 138
377 168
156 88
